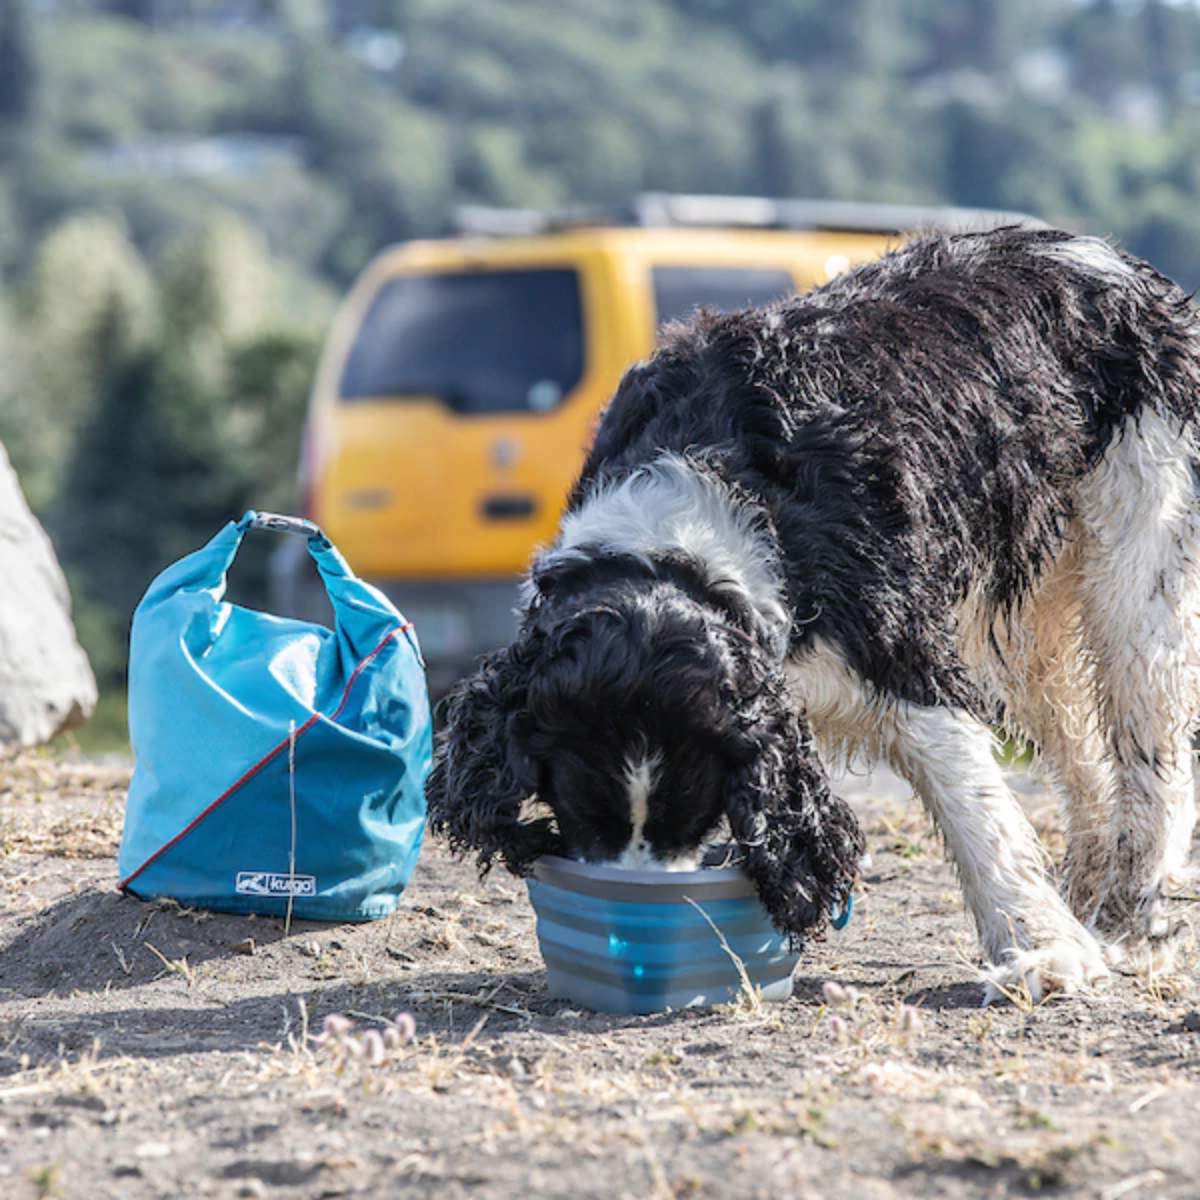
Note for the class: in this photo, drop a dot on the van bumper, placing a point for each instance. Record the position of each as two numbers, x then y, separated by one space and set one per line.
456 620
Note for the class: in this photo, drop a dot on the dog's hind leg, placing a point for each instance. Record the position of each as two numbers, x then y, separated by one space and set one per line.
1027 932
1141 587
1036 660
1072 750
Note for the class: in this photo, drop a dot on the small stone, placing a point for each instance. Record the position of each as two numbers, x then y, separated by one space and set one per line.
245 946
153 1150
1191 1022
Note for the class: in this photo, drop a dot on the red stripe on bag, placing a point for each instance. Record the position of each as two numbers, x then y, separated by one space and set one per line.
366 662
262 762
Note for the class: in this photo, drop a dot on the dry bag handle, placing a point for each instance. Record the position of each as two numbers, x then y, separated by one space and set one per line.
360 611
278 523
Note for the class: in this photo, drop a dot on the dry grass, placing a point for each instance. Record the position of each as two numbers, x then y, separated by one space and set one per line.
89 836
749 1001
890 1074
175 966
87 1074
60 810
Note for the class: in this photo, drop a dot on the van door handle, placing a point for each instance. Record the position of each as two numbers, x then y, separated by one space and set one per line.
512 507
368 499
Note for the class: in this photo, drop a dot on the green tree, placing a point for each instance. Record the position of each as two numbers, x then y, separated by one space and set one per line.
269 381
156 470
189 424
216 289
18 63
135 10
87 300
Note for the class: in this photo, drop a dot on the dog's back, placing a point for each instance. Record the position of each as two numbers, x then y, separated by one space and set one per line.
918 428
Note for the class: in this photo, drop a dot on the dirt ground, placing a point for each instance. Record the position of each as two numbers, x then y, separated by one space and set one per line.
151 1051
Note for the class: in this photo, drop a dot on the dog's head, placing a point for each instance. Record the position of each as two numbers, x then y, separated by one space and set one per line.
635 719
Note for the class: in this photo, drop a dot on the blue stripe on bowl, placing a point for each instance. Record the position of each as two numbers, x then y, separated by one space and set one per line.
631 956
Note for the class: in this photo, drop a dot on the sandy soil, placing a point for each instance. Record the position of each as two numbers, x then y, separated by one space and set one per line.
151 1051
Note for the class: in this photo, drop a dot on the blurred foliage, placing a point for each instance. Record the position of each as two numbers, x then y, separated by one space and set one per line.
145 405
18 62
186 185
87 299
381 115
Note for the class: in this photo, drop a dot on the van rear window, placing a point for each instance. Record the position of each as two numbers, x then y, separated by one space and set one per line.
679 291
482 342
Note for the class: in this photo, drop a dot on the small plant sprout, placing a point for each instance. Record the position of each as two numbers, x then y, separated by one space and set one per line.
374 1047
337 1026
374 1051
175 966
910 1024
400 1031
840 998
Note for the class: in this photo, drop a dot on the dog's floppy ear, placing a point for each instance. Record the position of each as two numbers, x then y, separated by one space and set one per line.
801 844
482 772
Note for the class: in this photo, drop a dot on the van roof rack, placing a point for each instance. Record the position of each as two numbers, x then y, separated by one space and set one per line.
678 210
758 212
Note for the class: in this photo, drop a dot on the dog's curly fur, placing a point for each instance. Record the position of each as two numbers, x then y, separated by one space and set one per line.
950 490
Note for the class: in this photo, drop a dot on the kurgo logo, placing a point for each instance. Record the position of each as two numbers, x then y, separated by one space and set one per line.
270 883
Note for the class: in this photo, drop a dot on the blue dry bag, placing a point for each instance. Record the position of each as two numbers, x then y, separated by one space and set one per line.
280 765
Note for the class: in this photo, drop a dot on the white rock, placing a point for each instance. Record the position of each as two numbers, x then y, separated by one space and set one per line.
46 681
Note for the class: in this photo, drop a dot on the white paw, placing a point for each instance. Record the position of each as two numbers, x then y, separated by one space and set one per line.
1183 880
1063 965
1153 954
1149 938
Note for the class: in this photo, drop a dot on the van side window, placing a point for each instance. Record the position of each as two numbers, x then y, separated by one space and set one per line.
482 341
679 291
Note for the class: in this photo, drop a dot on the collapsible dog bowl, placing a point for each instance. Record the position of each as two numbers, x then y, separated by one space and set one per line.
643 941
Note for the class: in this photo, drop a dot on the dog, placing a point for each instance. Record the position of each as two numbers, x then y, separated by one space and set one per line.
950 492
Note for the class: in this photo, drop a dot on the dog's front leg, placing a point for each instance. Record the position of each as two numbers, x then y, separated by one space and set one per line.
1028 934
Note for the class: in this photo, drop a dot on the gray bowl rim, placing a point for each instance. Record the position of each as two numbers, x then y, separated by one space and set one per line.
655 886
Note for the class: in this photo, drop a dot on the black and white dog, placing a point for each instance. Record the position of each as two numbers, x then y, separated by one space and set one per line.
951 491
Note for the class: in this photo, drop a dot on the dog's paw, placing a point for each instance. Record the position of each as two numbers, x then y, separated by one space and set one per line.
1183 880
1144 939
1064 965
1153 953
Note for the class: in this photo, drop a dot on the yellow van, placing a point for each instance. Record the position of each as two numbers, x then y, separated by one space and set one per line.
463 379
